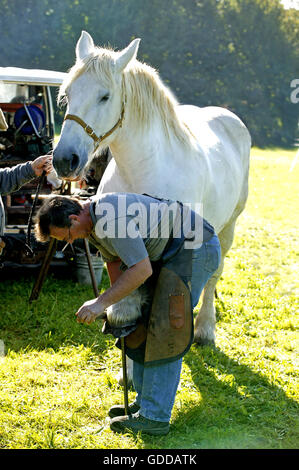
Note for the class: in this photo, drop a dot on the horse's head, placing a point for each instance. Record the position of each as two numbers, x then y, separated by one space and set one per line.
93 92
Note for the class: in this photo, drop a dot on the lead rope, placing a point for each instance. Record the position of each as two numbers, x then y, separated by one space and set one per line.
29 226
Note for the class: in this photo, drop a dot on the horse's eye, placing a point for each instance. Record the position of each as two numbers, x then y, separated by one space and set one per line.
105 97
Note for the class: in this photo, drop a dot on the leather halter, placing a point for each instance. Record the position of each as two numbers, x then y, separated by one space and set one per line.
89 130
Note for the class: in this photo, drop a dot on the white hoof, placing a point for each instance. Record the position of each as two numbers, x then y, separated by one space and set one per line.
120 378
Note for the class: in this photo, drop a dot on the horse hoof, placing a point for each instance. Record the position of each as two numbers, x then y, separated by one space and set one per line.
120 381
205 342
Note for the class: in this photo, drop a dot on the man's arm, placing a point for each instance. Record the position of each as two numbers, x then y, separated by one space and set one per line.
113 268
127 282
122 286
13 178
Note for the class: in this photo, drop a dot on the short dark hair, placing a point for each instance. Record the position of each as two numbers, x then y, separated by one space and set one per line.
55 212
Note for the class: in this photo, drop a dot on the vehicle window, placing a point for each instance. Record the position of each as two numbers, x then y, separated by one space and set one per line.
13 93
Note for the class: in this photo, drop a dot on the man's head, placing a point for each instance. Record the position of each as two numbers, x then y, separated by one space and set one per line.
63 218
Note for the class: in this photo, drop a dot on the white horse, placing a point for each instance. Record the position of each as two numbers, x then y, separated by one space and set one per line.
186 153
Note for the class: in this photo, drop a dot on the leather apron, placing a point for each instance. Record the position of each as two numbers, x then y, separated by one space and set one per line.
165 331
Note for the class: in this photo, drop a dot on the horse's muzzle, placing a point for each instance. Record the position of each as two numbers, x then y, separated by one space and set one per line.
67 165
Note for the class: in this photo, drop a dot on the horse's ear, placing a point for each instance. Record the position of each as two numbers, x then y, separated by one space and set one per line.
127 55
84 46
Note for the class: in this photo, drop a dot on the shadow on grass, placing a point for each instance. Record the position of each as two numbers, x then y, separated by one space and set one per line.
50 321
237 408
238 405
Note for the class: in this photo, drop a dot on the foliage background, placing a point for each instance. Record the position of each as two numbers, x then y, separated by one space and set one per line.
58 378
240 54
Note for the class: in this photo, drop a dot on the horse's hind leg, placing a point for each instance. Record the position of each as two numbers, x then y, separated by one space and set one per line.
205 321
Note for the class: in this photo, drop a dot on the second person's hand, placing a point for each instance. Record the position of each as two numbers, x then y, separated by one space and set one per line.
43 163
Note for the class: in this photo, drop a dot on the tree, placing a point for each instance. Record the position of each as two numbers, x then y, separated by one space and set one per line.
240 54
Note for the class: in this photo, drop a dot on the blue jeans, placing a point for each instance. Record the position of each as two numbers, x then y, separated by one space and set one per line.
156 386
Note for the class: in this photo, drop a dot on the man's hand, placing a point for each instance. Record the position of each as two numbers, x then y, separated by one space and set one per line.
122 285
91 310
41 164
2 245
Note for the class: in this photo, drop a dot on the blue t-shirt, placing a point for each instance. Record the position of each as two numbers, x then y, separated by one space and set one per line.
132 227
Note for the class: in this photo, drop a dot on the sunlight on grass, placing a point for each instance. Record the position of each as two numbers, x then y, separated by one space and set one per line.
58 379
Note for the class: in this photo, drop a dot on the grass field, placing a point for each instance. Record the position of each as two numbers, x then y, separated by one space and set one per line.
58 378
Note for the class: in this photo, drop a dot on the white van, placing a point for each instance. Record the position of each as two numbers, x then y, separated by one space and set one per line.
26 102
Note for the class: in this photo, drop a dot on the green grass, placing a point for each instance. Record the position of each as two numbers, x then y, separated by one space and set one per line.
58 378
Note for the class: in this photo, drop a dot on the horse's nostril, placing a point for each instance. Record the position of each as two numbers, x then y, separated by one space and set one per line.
74 161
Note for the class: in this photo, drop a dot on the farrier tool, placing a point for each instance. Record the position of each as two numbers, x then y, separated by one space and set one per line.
123 345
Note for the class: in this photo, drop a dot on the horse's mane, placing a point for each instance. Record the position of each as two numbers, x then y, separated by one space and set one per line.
100 62
145 94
